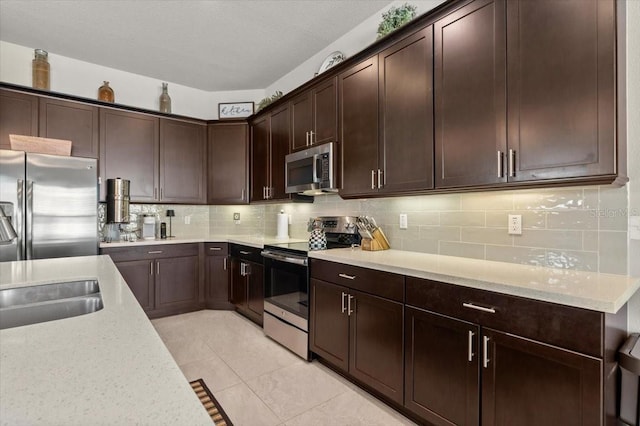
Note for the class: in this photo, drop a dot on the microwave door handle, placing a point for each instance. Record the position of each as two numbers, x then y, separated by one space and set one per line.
316 159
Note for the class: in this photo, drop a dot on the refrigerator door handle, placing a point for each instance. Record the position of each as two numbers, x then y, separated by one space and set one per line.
18 220
29 218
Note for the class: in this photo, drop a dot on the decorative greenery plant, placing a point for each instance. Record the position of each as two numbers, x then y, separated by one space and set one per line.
396 17
269 99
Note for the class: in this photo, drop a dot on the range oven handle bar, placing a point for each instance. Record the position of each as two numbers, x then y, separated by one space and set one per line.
283 258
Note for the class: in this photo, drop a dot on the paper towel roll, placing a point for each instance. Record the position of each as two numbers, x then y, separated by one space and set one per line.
283 226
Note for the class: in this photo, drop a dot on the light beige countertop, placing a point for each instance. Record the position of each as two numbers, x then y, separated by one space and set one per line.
248 240
109 367
588 290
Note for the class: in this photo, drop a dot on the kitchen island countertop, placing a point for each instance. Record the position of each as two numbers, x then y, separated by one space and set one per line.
109 367
587 290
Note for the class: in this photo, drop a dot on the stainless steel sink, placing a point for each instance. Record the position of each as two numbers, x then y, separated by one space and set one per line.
42 303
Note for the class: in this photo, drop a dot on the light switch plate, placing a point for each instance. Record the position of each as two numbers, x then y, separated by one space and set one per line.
634 227
515 224
404 222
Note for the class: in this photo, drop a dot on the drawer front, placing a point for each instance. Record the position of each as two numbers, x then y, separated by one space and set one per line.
246 253
119 254
379 283
564 326
216 249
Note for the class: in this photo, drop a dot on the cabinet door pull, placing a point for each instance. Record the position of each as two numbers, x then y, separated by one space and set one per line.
242 194
151 268
470 346
373 179
242 269
157 268
349 277
247 269
379 178
307 142
349 310
154 252
224 264
512 163
485 351
344 308
311 137
215 248
500 165
161 193
479 308
155 193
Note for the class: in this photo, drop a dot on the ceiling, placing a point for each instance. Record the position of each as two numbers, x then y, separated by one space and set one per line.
209 45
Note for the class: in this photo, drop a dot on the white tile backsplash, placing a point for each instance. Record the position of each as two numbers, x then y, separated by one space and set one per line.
576 228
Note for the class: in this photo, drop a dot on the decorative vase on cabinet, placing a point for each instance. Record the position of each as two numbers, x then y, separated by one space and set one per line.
105 93
40 70
165 100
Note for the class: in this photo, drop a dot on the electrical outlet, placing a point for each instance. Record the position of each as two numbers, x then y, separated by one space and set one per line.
515 224
403 221
236 216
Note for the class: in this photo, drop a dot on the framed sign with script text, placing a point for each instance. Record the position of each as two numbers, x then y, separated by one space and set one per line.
235 110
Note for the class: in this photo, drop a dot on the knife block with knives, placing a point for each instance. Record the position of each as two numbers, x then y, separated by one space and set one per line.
373 239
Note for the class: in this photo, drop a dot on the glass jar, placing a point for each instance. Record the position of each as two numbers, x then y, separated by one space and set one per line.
165 100
105 93
40 70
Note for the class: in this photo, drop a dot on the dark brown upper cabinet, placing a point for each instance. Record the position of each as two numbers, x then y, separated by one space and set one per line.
470 108
525 91
260 140
386 119
228 163
183 162
18 116
73 121
358 95
271 135
129 150
406 114
561 89
314 116
165 159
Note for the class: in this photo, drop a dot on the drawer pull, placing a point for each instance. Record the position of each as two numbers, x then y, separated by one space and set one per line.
155 252
215 248
485 350
479 308
349 277
244 252
470 347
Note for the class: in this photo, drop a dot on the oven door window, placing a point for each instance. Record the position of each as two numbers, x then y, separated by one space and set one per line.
287 286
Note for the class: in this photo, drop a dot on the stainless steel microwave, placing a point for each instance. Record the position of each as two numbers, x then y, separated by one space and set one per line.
311 171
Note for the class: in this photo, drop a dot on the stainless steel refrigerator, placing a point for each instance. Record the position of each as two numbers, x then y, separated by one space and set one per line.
52 203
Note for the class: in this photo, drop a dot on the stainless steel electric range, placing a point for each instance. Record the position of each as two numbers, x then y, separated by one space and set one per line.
286 280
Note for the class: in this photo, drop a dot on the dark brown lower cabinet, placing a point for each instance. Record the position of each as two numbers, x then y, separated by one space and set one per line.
165 279
441 368
217 267
478 357
530 383
360 334
138 275
247 282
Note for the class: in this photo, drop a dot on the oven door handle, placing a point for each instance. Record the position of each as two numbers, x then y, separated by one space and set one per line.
284 258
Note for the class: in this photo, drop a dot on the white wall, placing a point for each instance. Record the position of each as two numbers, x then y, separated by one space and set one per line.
79 78
351 43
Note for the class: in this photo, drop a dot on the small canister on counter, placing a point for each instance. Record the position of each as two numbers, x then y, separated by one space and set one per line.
317 238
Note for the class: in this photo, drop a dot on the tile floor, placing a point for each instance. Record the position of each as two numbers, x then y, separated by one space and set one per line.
258 382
